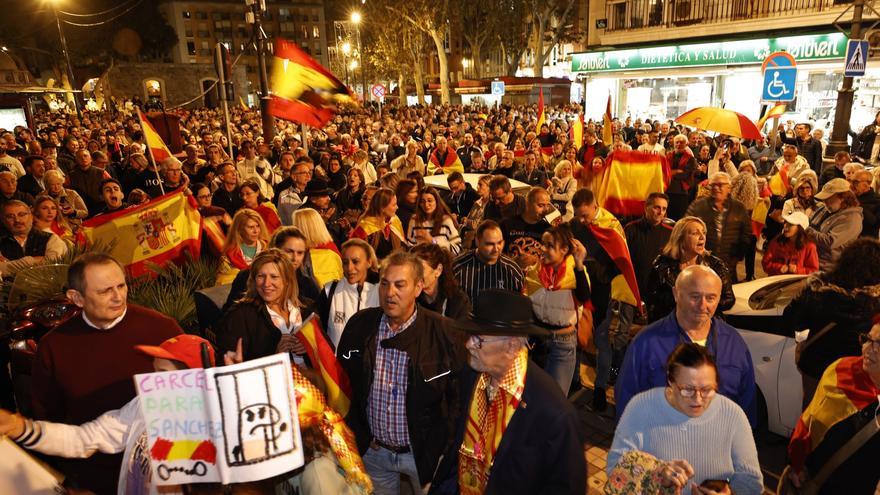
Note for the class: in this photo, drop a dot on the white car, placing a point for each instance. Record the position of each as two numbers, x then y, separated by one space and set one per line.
757 314
439 182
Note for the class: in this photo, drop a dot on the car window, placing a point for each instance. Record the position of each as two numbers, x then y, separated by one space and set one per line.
777 294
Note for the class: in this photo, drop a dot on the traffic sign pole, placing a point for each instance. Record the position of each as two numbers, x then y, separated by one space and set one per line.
843 111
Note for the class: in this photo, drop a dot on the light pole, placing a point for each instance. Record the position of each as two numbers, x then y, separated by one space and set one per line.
255 16
70 78
843 110
356 20
346 50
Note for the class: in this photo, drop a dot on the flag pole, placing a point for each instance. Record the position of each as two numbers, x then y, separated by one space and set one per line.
304 134
143 117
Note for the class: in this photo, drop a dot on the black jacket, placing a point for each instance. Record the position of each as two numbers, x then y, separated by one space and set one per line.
870 203
251 322
34 245
456 306
461 204
735 231
436 357
541 450
28 183
658 295
645 242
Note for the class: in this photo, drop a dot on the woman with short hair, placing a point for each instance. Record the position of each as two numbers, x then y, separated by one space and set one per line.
440 291
339 300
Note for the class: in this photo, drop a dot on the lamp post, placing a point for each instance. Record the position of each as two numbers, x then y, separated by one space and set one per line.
356 20
255 17
76 103
843 110
346 50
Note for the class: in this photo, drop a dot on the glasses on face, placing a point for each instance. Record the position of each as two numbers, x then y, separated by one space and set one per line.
690 392
480 341
865 338
718 185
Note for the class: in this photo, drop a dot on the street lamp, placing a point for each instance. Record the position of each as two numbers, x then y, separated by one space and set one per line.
70 78
353 65
356 20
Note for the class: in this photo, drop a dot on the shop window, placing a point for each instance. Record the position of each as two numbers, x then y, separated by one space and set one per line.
316 32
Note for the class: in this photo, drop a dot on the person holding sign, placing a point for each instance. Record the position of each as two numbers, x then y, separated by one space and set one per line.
119 430
269 314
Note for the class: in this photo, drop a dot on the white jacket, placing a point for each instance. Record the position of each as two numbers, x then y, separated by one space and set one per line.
347 301
119 430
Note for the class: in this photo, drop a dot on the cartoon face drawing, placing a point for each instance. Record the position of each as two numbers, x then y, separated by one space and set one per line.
261 428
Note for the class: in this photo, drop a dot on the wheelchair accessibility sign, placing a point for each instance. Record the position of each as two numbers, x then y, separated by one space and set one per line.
780 77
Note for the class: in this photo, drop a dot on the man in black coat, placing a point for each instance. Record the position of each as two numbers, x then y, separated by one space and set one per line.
869 201
646 237
539 449
32 181
808 147
403 362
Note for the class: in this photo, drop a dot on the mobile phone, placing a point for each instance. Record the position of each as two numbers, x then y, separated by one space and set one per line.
552 215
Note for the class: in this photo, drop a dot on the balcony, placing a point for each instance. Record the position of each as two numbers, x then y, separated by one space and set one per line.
632 15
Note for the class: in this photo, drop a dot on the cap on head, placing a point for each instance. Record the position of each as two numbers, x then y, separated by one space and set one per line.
797 218
832 187
184 348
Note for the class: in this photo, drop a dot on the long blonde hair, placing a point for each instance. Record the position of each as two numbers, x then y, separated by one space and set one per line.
310 223
233 240
285 268
676 239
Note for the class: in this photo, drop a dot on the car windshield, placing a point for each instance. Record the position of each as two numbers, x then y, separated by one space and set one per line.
777 294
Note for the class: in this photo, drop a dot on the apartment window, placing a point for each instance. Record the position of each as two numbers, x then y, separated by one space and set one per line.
206 45
216 16
304 31
305 17
191 47
204 34
186 14
315 18
316 32
189 33
201 15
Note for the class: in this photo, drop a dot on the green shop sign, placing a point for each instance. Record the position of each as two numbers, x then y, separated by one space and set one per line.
816 47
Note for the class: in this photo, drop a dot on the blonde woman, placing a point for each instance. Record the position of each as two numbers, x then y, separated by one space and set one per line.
70 203
247 237
322 262
563 189
47 217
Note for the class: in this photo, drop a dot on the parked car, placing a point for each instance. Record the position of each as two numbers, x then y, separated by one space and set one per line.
439 182
757 314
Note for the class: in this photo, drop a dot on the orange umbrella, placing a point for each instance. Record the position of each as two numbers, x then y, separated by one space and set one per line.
720 120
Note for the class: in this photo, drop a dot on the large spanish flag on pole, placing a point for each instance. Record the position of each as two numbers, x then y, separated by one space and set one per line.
608 231
155 146
627 178
160 231
775 111
541 116
324 361
303 90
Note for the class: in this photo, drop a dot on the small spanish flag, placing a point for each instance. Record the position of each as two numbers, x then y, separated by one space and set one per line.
541 116
608 231
321 356
774 111
302 90
607 132
157 147
577 131
243 104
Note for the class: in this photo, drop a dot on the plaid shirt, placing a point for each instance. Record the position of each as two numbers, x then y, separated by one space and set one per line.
387 402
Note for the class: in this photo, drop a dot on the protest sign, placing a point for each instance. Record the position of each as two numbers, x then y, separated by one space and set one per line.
230 424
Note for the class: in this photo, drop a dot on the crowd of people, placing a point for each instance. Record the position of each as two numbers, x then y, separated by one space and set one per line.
459 310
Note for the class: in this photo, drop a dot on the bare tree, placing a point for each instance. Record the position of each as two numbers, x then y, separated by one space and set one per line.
551 23
481 23
513 36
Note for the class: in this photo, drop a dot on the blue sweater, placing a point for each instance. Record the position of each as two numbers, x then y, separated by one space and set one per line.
718 444
644 365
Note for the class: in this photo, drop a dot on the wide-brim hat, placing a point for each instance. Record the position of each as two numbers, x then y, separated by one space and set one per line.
317 187
502 313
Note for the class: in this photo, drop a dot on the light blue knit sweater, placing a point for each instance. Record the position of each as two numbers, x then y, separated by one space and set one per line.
718 444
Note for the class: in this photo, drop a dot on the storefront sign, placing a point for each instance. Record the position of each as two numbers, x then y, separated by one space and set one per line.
803 48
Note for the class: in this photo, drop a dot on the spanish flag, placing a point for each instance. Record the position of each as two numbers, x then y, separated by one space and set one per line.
214 233
326 265
774 111
243 105
156 146
844 390
368 226
321 356
627 178
302 90
541 116
577 131
608 231
779 183
607 132
160 231
451 163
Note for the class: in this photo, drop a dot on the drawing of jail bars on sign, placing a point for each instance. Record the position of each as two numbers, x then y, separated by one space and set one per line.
256 415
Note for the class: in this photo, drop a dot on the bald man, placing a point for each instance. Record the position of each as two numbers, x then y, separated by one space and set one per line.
697 292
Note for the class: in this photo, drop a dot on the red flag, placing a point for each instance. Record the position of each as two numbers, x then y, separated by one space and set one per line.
324 361
155 145
608 231
541 116
302 90
607 132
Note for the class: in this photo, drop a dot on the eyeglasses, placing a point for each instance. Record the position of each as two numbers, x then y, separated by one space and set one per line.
689 392
865 338
480 341
204 196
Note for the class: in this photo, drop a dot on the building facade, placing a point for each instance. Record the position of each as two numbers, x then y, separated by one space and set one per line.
200 25
659 58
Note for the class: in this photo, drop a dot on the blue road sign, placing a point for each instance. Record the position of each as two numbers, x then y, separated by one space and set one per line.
856 58
779 84
498 88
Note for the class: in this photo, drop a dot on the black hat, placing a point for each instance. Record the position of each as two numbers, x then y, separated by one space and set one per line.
501 312
317 187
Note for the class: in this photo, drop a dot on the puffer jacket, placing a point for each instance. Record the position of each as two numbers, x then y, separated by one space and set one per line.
832 231
659 298
822 302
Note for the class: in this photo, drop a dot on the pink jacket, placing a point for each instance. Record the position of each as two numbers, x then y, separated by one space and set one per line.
778 255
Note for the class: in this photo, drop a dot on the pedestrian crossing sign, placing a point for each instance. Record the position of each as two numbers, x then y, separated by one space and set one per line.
856 58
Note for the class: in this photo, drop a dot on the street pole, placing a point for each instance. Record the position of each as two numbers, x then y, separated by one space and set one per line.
76 103
257 9
361 62
845 94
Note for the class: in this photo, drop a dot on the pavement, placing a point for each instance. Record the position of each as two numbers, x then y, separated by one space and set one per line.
599 432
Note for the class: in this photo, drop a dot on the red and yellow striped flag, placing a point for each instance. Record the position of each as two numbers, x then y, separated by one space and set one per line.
321 356
243 104
160 231
155 145
608 231
577 131
541 116
302 89
607 132
775 111
627 178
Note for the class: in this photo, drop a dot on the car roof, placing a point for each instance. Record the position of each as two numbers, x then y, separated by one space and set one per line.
439 182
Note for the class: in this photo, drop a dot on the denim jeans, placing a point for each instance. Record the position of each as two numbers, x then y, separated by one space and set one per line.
561 360
385 468
613 329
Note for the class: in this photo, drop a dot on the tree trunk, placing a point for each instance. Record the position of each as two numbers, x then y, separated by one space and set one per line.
400 89
476 52
419 80
437 36
538 48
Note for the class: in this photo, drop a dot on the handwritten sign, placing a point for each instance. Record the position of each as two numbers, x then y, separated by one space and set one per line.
230 424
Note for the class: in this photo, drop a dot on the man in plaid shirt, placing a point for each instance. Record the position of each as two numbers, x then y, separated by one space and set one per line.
403 362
